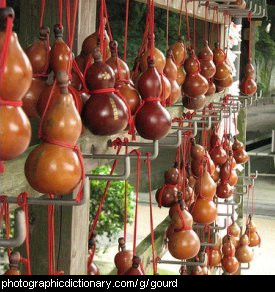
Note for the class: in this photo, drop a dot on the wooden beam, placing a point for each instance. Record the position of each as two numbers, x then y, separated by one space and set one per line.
175 6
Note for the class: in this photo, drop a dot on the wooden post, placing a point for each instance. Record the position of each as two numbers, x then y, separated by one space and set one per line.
71 224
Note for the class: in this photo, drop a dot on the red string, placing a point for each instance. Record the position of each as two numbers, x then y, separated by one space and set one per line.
167 25
205 20
101 27
118 144
211 37
152 29
187 24
125 202
250 34
183 228
218 26
6 217
138 154
91 256
42 13
107 20
60 5
3 3
117 92
194 23
22 202
13 103
126 30
165 187
5 48
148 162
180 21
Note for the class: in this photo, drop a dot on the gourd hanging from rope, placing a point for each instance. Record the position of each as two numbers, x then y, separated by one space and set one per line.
15 80
248 85
39 55
57 157
105 113
153 121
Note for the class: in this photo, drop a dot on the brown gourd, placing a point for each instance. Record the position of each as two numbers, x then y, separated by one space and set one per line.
167 196
50 168
104 113
171 73
248 85
251 232
60 55
244 253
124 258
153 121
135 269
229 262
204 211
38 53
14 260
16 78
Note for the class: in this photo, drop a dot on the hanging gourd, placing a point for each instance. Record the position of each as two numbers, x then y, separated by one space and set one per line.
195 86
240 155
229 262
93 269
204 211
248 85
208 68
124 258
91 42
60 55
216 175
159 58
205 186
251 232
183 243
197 271
153 121
123 82
167 196
135 269
241 4
39 52
14 260
223 77
214 256
121 69
228 173
52 91
172 175
15 80
218 155
244 253
104 113
179 55
191 179
170 72
54 167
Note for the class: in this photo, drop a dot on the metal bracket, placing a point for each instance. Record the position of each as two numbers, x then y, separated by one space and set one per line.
176 144
203 262
185 129
20 233
57 202
214 227
247 267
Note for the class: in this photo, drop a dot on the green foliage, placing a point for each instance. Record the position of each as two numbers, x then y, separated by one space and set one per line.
137 21
110 222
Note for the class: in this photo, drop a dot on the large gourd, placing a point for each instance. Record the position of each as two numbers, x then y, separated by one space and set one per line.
16 78
52 168
153 121
104 113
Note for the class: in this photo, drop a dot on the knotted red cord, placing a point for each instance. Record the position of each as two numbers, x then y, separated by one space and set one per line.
3 63
138 154
184 227
148 162
42 13
165 187
3 3
126 30
194 25
117 92
205 20
187 24
180 20
60 10
118 144
167 25
6 215
22 202
250 34
152 29
91 256
125 217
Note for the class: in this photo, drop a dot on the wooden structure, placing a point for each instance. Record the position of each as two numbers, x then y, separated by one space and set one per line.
72 242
